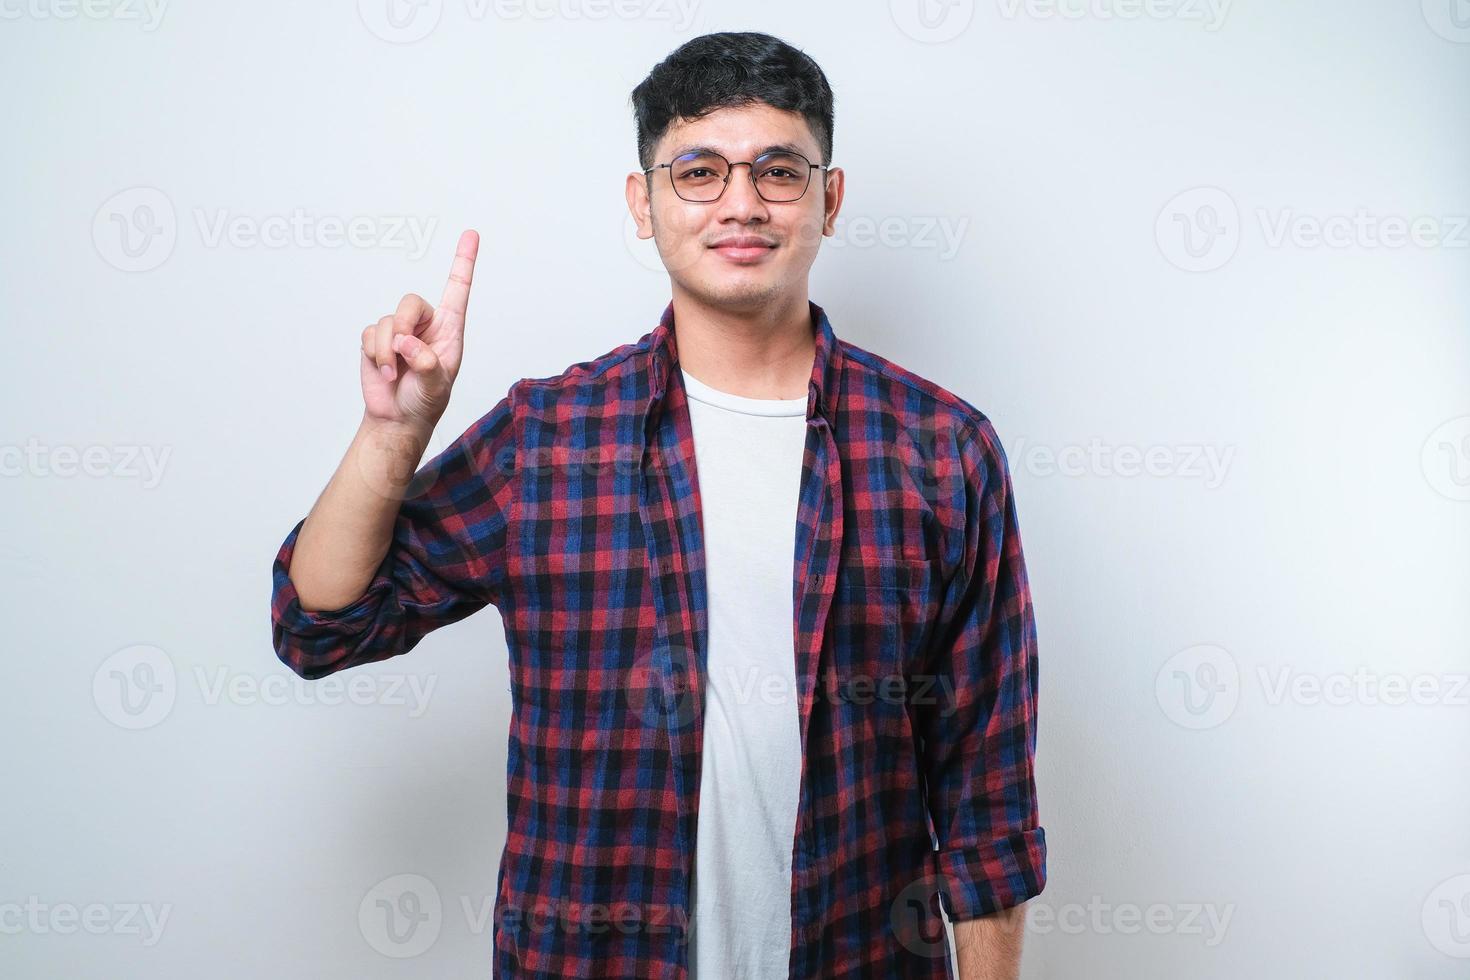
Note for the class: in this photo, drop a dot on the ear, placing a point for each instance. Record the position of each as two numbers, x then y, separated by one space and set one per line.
639 204
833 181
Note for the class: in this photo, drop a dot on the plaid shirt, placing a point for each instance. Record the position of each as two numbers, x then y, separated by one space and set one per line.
573 507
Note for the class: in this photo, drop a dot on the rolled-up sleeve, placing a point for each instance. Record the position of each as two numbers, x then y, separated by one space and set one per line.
979 734
446 559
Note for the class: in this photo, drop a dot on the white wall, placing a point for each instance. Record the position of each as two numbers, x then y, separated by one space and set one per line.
1032 169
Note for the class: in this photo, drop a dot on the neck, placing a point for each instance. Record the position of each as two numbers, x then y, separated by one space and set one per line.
761 353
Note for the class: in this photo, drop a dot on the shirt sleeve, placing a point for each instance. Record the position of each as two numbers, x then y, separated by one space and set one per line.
979 729
445 561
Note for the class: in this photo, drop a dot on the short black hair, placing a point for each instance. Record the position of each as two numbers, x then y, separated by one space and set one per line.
727 70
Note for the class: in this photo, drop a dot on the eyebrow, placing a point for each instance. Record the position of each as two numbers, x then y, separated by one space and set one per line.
773 148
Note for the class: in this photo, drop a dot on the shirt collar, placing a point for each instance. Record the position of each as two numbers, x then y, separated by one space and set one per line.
821 386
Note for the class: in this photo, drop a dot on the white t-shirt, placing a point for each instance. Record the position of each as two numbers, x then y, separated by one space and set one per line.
747 457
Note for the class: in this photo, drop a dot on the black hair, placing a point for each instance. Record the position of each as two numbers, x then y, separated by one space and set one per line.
726 70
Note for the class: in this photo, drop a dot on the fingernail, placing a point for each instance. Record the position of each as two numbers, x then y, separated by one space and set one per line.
387 371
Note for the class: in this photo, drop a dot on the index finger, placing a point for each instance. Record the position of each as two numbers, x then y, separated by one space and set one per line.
461 273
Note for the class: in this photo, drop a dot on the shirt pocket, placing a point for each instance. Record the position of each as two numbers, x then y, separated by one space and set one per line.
883 613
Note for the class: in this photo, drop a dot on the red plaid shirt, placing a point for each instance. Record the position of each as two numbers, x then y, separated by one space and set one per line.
573 507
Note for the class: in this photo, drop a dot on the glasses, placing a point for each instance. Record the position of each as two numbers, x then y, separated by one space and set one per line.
700 177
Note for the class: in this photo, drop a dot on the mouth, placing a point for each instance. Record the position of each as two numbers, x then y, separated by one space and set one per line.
744 250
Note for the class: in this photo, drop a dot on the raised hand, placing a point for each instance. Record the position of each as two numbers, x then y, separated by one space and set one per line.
411 357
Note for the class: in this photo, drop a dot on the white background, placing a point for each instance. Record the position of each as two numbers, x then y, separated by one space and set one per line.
1095 221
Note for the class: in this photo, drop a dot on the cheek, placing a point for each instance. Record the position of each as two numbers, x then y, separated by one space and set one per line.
679 234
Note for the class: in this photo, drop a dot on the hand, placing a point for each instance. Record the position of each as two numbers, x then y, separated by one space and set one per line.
411 357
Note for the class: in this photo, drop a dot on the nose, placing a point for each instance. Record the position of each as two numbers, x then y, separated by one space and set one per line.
740 198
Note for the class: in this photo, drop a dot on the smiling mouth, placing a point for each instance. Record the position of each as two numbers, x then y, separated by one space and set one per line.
744 253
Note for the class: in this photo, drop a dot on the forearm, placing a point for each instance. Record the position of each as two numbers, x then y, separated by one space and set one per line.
346 535
989 947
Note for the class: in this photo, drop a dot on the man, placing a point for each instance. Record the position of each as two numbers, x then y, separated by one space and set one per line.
771 644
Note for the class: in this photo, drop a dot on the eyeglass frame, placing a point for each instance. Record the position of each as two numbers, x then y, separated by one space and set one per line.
725 181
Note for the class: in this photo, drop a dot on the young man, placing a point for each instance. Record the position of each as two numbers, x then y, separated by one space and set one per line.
771 644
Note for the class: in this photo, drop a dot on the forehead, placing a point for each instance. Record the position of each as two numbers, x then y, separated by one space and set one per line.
740 133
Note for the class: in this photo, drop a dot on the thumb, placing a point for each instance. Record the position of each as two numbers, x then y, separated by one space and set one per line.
422 361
